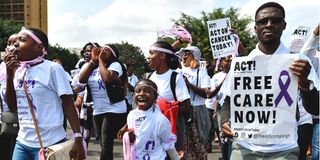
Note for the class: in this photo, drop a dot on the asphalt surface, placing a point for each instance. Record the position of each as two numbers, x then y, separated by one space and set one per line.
94 151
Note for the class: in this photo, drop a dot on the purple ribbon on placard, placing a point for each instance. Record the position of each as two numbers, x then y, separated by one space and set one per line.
101 84
284 89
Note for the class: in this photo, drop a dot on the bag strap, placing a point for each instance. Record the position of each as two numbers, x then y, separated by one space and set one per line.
32 112
149 75
1 103
194 95
173 84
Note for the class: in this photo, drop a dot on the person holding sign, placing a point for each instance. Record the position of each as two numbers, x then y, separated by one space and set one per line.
310 99
254 144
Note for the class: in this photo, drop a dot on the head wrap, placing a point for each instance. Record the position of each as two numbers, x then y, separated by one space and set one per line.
112 51
34 37
194 50
159 49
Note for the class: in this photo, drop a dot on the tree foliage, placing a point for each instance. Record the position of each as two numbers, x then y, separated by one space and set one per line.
68 59
132 54
199 30
7 28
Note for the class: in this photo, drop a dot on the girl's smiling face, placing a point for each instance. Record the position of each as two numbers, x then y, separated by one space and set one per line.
144 95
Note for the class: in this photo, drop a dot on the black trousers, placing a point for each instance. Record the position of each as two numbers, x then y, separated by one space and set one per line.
107 126
304 139
6 146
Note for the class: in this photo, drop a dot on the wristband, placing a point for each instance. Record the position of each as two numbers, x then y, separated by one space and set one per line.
77 135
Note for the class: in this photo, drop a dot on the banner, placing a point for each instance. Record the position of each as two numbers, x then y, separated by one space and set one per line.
263 99
298 38
221 41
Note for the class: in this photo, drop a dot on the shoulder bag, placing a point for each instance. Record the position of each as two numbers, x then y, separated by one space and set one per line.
10 124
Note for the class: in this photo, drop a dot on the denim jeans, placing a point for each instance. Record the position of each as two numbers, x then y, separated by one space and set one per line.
23 152
226 149
107 125
315 140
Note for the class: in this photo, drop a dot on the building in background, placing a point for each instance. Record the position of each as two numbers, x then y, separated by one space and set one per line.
29 13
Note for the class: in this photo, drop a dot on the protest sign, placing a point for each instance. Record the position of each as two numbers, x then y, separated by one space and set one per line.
203 64
221 41
298 37
263 99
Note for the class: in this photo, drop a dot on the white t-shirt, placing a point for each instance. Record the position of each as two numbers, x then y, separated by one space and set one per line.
203 82
99 93
133 79
45 84
310 49
153 133
305 117
215 82
270 147
163 83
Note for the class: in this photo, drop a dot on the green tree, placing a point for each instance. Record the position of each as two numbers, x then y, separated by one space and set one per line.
7 28
68 59
199 30
132 54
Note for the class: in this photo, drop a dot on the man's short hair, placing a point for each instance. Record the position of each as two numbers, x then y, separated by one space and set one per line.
270 4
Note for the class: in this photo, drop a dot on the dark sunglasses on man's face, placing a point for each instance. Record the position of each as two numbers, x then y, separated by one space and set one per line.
273 20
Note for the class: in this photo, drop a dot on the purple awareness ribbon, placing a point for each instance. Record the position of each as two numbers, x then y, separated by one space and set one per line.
283 89
101 84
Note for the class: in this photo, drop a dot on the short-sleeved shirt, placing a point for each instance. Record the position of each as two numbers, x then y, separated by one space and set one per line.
197 77
163 83
133 79
153 133
45 84
99 93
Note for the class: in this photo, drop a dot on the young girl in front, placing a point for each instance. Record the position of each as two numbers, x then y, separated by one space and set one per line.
149 130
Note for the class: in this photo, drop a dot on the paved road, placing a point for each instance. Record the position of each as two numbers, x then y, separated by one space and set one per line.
94 151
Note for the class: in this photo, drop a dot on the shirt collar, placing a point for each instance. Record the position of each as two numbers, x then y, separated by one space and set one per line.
282 49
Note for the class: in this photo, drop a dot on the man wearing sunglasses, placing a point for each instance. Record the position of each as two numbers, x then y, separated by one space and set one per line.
269 25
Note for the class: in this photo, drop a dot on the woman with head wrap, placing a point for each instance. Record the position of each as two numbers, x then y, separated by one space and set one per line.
26 68
108 115
198 82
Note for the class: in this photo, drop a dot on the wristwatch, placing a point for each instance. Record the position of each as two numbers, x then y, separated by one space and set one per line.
311 85
307 88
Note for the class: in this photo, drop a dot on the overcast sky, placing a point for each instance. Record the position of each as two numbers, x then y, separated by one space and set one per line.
72 23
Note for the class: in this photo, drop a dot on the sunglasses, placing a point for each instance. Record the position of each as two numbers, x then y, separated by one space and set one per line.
273 20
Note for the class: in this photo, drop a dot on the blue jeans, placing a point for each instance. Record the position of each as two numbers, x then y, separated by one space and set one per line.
226 149
315 140
23 152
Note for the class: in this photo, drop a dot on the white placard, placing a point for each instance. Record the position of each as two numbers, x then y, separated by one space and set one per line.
203 64
263 99
221 41
298 37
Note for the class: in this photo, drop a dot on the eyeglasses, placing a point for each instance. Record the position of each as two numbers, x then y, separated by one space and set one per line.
273 20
